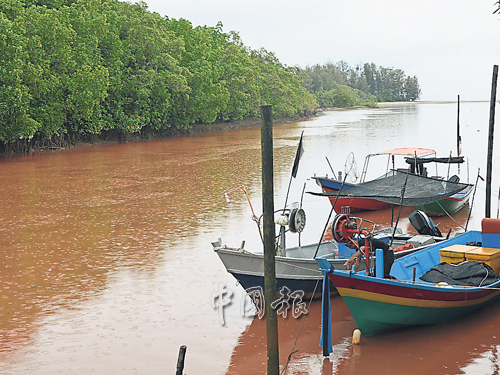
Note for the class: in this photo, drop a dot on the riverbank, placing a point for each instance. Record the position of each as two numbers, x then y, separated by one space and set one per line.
39 144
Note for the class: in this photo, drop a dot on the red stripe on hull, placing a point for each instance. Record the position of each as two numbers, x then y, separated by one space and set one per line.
357 204
411 291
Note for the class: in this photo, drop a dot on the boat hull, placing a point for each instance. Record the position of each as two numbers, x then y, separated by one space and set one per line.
311 288
356 204
448 205
380 305
294 273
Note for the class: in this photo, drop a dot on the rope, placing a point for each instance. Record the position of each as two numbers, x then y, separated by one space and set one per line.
300 329
446 212
485 277
298 267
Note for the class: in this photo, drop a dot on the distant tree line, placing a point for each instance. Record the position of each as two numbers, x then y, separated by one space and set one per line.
339 85
82 67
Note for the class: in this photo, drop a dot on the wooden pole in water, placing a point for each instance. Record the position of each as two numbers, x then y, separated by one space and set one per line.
180 360
269 238
490 140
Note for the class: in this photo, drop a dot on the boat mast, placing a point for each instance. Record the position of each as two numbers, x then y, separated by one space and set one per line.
490 140
459 139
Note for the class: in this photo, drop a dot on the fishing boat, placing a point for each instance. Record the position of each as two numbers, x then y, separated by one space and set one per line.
372 195
296 267
447 280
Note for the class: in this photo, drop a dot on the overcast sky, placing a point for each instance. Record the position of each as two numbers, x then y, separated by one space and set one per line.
450 45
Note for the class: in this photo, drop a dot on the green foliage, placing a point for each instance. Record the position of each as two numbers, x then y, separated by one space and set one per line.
204 48
411 89
344 96
370 84
280 87
87 66
15 120
147 83
51 4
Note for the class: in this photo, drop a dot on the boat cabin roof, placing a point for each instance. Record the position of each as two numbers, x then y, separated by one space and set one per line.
406 151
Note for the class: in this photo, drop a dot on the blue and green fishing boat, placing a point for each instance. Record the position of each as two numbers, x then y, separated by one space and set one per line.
426 287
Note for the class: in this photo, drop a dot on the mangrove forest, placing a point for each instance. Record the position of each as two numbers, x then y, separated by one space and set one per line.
73 70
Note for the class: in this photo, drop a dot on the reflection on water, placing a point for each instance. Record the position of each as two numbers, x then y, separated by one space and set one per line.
465 346
106 262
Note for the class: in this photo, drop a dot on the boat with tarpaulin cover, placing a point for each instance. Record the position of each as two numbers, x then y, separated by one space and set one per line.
372 195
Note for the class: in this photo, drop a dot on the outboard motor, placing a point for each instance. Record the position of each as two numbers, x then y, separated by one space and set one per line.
424 224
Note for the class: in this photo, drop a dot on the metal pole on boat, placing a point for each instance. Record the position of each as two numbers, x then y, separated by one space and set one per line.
269 237
403 190
459 139
295 168
490 140
329 216
328 161
473 195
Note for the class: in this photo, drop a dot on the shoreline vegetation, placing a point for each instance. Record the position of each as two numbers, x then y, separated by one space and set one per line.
95 71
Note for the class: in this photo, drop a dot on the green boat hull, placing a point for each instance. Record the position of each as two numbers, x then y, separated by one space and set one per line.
374 318
448 205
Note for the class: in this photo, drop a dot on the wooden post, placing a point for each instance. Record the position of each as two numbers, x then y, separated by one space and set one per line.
490 140
180 360
269 238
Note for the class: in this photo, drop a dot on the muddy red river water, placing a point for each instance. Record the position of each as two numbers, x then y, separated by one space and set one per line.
106 262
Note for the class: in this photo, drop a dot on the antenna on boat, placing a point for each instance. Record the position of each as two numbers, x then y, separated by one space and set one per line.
295 168
300 208
449 165
459 139
328 161
473 195
254 217
403 189
346 172
330 215
490 140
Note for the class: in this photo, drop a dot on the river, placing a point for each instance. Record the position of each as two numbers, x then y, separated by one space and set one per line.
106 263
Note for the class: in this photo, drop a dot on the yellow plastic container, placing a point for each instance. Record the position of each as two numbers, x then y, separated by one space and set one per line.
487 255
455 253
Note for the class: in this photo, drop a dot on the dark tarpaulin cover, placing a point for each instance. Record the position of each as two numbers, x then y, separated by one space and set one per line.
419 190
451 159
465 273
